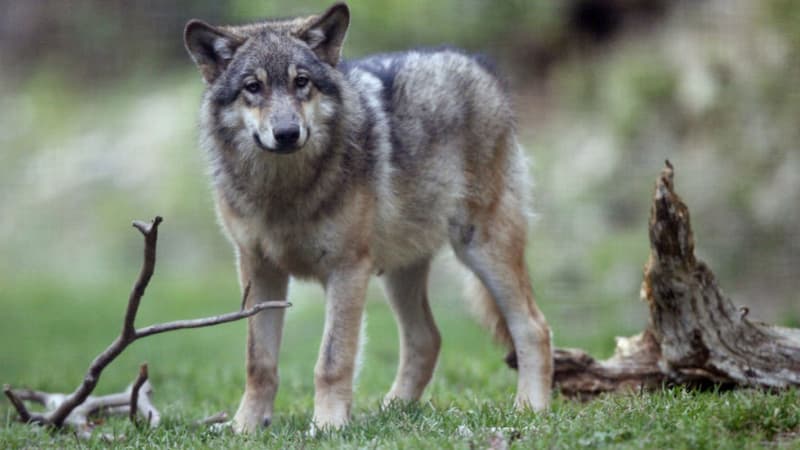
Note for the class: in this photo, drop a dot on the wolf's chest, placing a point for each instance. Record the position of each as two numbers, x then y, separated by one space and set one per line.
301 256
301 250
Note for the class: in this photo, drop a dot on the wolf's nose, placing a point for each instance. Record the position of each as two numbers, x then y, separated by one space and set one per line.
286 136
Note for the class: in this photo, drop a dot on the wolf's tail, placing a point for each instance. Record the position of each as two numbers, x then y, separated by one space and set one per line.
484 308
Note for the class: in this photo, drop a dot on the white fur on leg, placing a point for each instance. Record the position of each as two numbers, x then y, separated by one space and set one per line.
362 342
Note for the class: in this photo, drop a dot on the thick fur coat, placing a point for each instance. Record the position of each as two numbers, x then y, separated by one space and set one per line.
335 171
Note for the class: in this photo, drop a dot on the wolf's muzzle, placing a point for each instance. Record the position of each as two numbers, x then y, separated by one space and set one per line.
283 148
287 136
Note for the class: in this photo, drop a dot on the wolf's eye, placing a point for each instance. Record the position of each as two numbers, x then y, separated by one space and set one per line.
301 81
252 87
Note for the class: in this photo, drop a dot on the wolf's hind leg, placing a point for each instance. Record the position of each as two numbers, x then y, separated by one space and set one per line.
406 289
264 331
492 244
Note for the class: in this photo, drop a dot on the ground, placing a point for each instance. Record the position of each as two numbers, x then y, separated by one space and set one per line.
52 331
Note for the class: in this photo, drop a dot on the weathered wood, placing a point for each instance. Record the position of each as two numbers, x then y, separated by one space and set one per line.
696 324
696 336
633 366
75 408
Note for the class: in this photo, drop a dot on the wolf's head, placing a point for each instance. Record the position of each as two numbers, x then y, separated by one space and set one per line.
272 83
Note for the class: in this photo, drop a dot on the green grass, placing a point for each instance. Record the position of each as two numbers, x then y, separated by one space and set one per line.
50 332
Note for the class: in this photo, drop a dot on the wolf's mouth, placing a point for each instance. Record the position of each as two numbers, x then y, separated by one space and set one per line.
281 150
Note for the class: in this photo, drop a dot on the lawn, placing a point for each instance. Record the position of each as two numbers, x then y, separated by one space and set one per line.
50 331
713 89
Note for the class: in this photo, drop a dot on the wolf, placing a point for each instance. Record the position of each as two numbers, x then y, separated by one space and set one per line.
336 170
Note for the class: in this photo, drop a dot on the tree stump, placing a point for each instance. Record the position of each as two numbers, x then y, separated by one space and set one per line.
695 335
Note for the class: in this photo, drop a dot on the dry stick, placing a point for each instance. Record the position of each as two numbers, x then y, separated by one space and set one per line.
208 321
34 396
150 232
129 334
135 392
146 407
244 296
118 403
219 417
22 411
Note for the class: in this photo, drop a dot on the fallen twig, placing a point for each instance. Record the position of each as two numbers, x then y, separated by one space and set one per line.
220 417
134 402
76 407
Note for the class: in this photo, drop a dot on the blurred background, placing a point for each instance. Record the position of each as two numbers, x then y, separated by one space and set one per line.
98 112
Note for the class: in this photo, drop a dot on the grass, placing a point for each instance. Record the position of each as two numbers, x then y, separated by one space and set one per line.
78 162
51 331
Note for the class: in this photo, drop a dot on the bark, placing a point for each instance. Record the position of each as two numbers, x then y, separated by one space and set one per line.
695 336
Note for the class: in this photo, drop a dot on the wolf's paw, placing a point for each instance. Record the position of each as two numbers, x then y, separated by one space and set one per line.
244 423
315 430
395 399
533 403
326 425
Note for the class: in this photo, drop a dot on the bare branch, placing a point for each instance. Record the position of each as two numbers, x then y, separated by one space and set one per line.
150 233
135 392
75 408
219 417
39 397
209 321
80 395
118 403
22 411
146 407
245 294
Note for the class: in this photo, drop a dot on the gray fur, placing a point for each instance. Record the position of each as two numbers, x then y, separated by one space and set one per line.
399 154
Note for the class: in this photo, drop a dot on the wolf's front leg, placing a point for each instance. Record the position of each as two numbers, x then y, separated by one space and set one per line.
333 376
264 331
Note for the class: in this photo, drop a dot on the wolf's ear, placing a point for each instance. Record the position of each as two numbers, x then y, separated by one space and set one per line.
211 48
325 33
